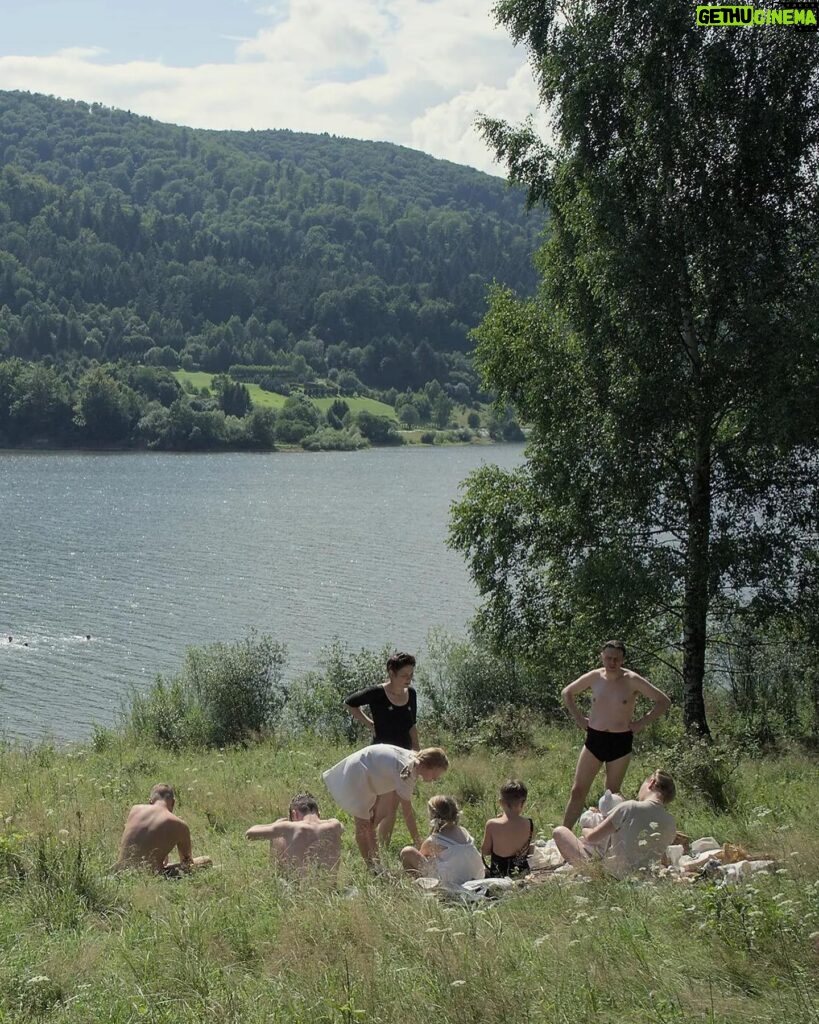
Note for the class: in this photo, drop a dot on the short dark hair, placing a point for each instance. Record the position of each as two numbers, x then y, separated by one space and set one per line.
304 803
513 791
399 660
617 645
162 791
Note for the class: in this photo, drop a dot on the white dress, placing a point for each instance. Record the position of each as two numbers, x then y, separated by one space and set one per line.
356 782
457 862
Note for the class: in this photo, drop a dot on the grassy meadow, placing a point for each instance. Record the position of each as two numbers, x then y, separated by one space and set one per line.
273 400
239 943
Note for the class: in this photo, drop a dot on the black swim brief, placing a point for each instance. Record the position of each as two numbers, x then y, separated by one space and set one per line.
609 746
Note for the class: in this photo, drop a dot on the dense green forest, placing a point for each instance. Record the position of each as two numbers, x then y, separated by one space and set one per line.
297 259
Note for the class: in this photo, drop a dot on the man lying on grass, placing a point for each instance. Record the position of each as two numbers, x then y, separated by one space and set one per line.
152 831
303 839
638 831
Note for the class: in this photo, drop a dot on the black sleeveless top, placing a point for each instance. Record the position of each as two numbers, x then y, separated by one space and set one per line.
502 867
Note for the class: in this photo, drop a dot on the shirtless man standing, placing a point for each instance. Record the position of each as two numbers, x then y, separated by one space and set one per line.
609 728
152 831
303 839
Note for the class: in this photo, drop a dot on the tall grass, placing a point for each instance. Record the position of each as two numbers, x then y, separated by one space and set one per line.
240 943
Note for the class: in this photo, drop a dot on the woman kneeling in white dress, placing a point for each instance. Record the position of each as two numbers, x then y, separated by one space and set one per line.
449 852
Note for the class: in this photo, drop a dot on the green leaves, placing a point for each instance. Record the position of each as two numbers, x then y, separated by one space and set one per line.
668 360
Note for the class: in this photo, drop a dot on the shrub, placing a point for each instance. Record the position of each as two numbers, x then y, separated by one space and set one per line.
316 699
465 683
378 429
705 768
509 729
428 437
225 694
329 440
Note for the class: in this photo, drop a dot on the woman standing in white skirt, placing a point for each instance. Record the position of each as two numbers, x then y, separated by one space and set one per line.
356 783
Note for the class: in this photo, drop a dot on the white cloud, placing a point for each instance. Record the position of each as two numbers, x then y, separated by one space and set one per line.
455 119
406 71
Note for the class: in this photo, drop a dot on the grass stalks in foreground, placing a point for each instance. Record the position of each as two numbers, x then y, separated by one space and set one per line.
239 943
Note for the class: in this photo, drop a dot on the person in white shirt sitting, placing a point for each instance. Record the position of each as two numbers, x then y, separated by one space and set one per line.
638 831
449 852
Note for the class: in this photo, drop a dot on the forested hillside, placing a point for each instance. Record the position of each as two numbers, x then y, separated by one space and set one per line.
309 257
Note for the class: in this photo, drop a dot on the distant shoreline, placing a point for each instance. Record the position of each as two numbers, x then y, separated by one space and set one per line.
284 450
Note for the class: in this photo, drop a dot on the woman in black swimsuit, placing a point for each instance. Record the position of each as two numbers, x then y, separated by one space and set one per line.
393 709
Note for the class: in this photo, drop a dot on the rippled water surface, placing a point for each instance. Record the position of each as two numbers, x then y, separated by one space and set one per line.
150 553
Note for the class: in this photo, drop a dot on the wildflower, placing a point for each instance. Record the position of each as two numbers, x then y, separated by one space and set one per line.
642 842
781 871
654 825
457 984
543 938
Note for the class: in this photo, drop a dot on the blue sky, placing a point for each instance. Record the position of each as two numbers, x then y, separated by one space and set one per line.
415 72
183 32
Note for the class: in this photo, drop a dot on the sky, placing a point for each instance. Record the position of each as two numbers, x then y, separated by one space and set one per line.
414 72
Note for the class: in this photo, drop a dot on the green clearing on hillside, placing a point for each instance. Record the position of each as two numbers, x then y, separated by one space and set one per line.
241 944
273 400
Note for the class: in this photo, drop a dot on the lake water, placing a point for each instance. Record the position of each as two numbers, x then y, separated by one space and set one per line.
151 553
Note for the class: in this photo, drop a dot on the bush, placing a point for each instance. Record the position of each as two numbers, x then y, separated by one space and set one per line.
705 768
316 699
465 683
508 729
428 437
225 694
378 429
771 679
330 440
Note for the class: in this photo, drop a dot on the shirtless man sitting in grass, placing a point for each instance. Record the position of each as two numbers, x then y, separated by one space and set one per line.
151 831
609 727
302 840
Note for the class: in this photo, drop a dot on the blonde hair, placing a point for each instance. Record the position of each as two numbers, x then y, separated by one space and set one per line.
664 785
443 810
162 791
429 757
